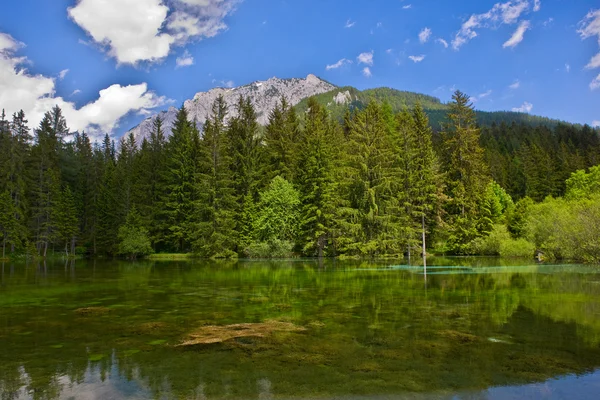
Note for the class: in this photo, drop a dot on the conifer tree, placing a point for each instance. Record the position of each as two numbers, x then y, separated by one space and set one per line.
282 135
245 152
180 171
215 235
316 181
65 220
370 177
467 174
8 227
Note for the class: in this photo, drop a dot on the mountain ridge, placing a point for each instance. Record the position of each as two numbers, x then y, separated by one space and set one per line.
264 95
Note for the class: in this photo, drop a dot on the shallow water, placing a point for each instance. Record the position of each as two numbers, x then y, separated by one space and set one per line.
476 328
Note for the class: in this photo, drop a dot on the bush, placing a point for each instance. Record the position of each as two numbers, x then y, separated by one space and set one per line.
273 249
566 229
517 248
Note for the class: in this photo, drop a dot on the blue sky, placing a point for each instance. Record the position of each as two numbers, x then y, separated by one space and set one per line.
119 58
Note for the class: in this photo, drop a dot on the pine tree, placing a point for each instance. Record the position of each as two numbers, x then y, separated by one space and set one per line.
467 174
245 152
8 226
282 136
180 171
370 177
65 220
215 235
316 182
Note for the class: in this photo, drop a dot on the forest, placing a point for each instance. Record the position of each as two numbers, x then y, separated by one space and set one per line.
372 184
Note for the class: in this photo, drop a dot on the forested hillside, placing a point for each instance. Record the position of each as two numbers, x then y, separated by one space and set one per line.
372 184
436 110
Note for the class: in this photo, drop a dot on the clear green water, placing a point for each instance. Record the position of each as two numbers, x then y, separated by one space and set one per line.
479 328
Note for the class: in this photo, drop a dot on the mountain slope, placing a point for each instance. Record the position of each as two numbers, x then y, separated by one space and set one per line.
264 96
338 100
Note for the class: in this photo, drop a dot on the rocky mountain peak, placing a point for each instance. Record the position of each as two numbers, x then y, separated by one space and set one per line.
264 95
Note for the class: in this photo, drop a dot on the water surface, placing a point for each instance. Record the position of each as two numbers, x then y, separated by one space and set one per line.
477 328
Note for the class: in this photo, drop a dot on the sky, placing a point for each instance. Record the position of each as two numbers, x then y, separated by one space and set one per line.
110 63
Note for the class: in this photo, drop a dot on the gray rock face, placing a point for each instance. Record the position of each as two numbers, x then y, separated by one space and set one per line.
264 96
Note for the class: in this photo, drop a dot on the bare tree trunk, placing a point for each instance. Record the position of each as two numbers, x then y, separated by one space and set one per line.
409 252
424 246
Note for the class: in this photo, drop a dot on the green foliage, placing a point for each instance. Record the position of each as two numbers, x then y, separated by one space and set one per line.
278 212
133 237
582 185
500 243
566 229
273 248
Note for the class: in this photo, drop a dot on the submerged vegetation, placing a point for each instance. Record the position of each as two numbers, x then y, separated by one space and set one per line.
373 181
301 329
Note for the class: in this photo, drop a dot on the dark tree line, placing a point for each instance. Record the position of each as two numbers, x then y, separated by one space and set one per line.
375 184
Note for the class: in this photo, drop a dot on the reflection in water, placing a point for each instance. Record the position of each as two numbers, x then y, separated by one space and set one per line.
478 329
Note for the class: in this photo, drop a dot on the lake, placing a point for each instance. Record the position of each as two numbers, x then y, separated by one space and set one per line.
476 328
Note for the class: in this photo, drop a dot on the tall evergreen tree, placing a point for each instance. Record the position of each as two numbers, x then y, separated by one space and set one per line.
180 172
245 152
316 182
282 136
467 174
216 204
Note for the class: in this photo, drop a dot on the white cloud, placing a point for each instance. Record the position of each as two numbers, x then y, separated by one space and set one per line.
515 85
501 13
442 42
406 7
525 108
62 74
389 51
594 62
367 72
595 84
424 35
480 96
590 27
228 84
417 59
518 35
185 60
338 64
366 58
596 124
537 5
134 31
35 95
350 24
75 92
567 68
548 22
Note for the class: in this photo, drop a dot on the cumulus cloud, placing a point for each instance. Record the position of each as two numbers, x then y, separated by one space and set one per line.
35 95
518 35
595 84
228 84
537 5
185 60
338 64
590 27
349 24
442 42
367 72
417 59
424 35
501 13
515 85
62 74
134 31
525 108
366 58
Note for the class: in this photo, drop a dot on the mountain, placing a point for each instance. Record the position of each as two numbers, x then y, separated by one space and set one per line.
339 99
264 96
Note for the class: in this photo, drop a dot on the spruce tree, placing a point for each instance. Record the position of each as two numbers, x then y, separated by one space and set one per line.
466 172
215 235
282 135
316 182
180 171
